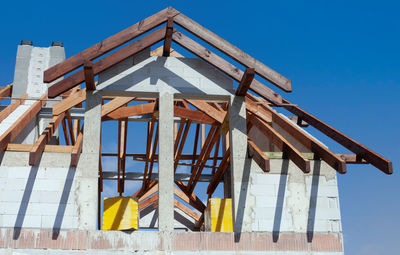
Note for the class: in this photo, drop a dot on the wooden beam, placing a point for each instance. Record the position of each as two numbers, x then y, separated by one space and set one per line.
257 110
159 52
245 82
234 52
89 75
224 66
352 159
6 91
150 132
152 158
106 62
288 149
12 132
204 107
216 156
148 193
133 110
77 149
182 144
258 156
69 102
223 166
179 135
11 107
122 135
370 156
44 138
151 201
306 140
65 131
108 44
192 200
47 148
70 127
114 104
196 141
193 115
186 210
168 37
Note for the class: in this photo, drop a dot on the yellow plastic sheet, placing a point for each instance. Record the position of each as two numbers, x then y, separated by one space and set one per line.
220 212
120 213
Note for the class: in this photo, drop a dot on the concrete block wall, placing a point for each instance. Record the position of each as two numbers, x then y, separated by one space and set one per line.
39 197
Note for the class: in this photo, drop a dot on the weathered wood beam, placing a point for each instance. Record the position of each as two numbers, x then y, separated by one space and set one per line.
133 110
204 107
288 149
215 159
193 115
11 107
108 61
234 52
370 156
308 141
89 75
108 44
258 156
47 148
114 104
69 102
12 132
245 82
224 66
168 37
77 149
44 138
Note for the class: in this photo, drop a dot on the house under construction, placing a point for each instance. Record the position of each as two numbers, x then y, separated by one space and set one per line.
227 165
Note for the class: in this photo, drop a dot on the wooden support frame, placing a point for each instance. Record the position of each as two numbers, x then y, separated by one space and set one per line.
193 115
258 156
77 149
207 109
245 82
192 199
65 131
168 37
224 66
89 75
6 91
11 107
150 131
182 144
70 127
186 210
133 110
12 132
69 102
122 141
114 104
47 148
108 44
288 149
44 138
223 166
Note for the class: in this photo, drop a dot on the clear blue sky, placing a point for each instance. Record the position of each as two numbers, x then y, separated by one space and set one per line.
342 58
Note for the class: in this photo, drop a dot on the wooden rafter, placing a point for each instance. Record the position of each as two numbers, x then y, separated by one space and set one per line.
11 107
193 115
196 140
114 104
168 37
77 149
69 102
207 109
89 75
233 52
186 210
108 44
223 166
245 82
182 143
191 200
224 66
6 91
65 131
13 131
70 127
148 193
133 110
288 149
43 139
149 150
258 156
159 52
47 148
179 135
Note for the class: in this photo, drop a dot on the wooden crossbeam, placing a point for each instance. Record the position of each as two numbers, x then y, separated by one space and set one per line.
47 148
223 166
77 149
108 44
192 200
257 110
245 82
133 110
193 115
182 144
152 201
308 141
148 193
89 75
44 138
258 156
168 37
370 156
108 61
233 52
186 210
288 149
114 104
11 107
224 66
204 107
69 102
12 132
122 140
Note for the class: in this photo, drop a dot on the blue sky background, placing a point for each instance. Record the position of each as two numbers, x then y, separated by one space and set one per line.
342 58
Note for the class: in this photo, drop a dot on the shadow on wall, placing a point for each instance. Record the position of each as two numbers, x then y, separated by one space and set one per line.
27 195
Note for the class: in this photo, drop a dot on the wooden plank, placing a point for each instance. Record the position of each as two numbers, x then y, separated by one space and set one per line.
186 210
108 44
148 193
12 132
245 82
305 139
193 115
47 148
133 110
114 104
370 156
44 138
6 91
108 61
191 200
207 109
69 102
77 149
224 66
288 149
234 52
89 75
258 110
168 37
258 156
11 107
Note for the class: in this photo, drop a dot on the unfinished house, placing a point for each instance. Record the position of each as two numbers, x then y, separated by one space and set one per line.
221 164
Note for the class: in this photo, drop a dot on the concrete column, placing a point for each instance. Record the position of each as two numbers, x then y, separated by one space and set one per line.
166 163
88 165
240 164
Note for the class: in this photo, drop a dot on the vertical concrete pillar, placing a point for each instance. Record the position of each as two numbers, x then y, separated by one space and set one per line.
166 163
88 165
240 164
